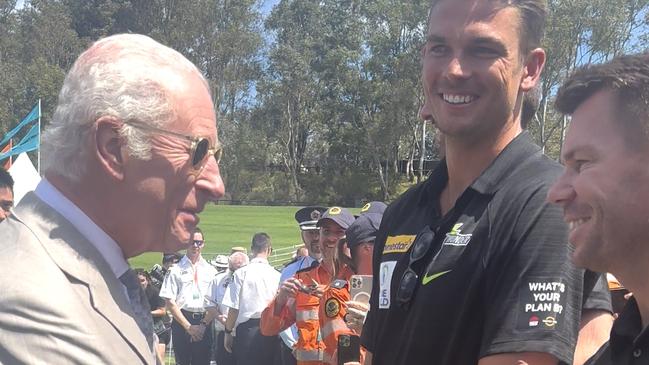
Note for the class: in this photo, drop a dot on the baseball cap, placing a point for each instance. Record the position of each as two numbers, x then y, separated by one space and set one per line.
364 229
307 217
341 216
375 207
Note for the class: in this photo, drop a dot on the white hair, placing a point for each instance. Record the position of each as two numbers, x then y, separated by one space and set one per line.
238 260
127 76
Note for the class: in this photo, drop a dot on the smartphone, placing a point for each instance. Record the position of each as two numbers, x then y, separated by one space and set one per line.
360 288
349 349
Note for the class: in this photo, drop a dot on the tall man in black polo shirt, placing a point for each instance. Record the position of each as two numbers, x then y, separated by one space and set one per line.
472 266
604 190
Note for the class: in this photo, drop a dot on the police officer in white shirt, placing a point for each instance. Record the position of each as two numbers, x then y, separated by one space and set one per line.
184 290
219 285
252 288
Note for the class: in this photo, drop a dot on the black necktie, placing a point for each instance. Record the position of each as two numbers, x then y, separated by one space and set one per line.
139 303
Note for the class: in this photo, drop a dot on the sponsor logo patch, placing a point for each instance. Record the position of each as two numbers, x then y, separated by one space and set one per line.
385 280
332 307
398 244
366 207
456 238
542 302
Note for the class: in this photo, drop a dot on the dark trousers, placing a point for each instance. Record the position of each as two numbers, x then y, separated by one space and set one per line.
251 347
223 357
284 355
186 351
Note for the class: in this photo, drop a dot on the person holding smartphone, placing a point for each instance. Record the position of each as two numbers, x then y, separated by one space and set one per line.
337 315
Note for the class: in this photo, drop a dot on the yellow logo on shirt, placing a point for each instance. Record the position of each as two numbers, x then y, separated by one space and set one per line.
396 244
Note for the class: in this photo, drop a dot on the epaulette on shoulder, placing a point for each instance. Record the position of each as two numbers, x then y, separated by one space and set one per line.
308 268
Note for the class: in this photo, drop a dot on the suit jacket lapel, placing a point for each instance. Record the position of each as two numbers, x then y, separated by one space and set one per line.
80 259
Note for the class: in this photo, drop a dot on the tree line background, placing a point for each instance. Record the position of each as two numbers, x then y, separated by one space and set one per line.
317 101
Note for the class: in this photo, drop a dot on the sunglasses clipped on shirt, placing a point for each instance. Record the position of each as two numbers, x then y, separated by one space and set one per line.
410 278
199 149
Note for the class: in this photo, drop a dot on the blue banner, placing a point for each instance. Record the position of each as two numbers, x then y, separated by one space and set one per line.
27 144
32 116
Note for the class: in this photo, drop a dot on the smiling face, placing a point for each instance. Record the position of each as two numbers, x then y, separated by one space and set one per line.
604 189
167 191
330 234
473 72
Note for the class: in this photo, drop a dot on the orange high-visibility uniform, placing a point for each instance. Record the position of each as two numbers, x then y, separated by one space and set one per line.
303 311
332 316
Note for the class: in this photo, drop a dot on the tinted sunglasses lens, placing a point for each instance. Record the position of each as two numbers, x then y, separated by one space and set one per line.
422 244
198 243
218 153
407 286
200 152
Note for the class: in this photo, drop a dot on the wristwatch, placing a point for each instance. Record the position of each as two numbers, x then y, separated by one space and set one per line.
227 331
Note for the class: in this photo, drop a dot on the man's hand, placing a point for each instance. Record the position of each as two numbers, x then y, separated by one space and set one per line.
222 318
288 289
228 340
195 332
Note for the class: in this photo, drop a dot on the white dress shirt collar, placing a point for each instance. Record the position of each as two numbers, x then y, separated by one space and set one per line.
106 246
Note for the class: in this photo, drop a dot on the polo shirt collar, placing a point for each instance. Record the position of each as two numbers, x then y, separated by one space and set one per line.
627 329
517 151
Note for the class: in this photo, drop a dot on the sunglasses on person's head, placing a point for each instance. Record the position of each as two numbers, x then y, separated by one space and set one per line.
410 278
199 149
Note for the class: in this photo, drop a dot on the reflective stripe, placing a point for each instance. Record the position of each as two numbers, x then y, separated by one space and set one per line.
333 326
309 315
308 355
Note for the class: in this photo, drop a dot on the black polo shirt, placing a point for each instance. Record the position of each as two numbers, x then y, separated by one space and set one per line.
497 277
629 342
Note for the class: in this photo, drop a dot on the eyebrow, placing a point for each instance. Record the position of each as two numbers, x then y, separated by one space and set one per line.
570 155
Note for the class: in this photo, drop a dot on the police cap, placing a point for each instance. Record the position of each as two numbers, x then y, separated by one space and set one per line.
307 217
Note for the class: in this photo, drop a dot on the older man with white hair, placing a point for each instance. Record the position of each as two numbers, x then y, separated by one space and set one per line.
129 160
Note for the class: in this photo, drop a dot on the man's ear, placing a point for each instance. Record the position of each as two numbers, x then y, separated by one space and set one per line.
108 146
532 69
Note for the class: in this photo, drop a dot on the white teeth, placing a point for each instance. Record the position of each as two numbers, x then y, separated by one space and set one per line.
457 99
572 225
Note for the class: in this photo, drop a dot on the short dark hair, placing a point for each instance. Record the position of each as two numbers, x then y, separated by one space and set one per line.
260 242
196 230
6 181
141 271
532 21
627 77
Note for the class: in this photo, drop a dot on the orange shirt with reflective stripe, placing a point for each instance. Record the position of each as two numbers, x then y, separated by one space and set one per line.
332 317
303 311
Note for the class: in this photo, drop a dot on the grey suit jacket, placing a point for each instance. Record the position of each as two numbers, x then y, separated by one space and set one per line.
60 303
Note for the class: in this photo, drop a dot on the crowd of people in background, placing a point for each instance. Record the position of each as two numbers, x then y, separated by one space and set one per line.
497 258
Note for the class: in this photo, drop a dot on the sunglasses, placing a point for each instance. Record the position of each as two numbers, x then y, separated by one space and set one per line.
198 243
199 149
410 278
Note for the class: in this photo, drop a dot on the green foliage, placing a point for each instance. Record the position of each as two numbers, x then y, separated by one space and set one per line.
317 101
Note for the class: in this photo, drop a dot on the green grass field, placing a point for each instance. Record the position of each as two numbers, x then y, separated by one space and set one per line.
233 225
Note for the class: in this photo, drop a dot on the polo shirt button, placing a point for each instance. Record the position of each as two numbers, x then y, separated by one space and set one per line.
637 353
